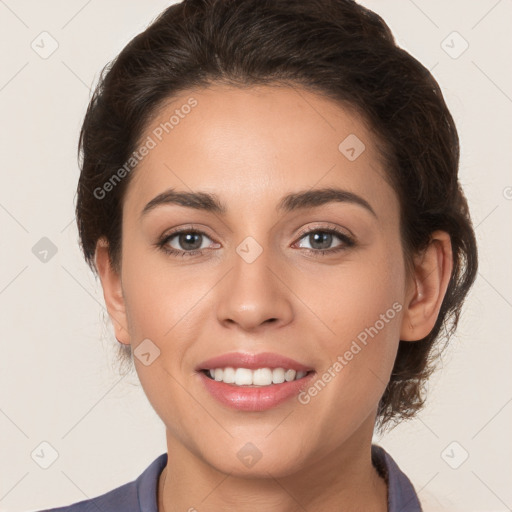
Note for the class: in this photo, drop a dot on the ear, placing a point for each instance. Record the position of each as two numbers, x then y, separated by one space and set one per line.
112 291
427 288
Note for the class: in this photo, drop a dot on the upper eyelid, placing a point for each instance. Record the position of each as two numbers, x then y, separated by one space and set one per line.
330 227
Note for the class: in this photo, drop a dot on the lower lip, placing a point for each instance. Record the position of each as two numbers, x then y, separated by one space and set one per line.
254 398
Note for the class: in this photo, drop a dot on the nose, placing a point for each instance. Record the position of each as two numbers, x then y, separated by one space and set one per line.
255 294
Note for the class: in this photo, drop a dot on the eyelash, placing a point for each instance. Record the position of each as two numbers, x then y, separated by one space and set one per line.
346 239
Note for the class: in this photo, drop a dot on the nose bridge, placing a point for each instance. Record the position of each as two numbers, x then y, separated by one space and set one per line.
252 293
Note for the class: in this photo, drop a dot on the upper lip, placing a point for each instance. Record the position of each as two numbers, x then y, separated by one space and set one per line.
252 362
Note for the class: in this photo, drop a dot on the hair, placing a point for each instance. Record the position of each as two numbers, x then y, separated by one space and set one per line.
335 48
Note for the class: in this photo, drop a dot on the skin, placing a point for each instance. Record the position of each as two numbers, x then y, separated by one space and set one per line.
251 147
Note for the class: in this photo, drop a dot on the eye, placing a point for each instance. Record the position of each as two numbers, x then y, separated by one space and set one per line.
192 242
321 239
184 243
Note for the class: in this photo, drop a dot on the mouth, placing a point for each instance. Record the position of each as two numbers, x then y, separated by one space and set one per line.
253 382
254 378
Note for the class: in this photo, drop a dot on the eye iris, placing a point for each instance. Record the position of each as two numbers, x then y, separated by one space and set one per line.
188 238
320 237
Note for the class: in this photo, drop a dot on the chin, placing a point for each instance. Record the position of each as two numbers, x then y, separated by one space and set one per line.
257 456
251 463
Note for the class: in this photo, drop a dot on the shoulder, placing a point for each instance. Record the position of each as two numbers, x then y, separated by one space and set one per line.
401 493
135 496
122 498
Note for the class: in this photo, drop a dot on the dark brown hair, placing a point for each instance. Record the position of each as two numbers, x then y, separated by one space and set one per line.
335 48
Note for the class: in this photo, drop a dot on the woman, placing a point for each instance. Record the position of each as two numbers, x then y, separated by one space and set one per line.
269 196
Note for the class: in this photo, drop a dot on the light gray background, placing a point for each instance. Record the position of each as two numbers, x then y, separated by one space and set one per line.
58 382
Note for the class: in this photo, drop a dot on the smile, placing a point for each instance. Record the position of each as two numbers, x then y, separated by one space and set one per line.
257 377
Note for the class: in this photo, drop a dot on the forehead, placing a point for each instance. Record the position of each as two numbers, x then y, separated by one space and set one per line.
259 143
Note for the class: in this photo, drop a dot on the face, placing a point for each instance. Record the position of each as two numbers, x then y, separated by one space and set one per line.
318 278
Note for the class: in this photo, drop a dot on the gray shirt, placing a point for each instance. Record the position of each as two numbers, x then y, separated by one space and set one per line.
140 495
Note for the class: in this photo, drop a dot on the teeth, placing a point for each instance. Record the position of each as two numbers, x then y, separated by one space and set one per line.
258 377
243 377
289 375
278 376
228 375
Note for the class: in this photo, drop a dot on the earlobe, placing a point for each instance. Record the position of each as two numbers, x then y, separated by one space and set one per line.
432 272
112 291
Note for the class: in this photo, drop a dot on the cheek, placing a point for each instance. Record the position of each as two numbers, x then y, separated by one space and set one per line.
160 307
354 295
363 308
158 296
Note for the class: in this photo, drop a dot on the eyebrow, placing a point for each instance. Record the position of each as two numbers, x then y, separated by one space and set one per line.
296 201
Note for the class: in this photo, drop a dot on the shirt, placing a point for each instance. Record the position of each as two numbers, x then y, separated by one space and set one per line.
140 495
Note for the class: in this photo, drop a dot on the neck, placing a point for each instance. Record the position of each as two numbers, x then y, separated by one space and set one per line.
345 480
